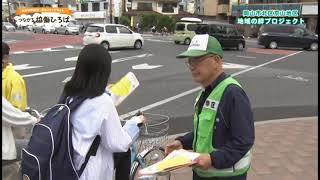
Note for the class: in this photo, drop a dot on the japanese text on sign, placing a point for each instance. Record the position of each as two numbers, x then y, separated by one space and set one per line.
269 20
270 13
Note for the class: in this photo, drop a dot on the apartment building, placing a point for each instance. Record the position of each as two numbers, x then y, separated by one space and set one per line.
92 12
140 7
187 6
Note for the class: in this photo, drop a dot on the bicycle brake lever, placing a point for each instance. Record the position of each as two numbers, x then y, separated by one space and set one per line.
139 113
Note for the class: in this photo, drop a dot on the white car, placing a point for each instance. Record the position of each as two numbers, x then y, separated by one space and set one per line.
112 36
8 26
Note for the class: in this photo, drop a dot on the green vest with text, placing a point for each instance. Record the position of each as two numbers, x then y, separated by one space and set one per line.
204 132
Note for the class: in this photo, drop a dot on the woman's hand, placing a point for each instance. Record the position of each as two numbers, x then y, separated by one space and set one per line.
142 119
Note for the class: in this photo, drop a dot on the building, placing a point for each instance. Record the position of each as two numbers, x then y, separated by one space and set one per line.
187 6
140 7
92 12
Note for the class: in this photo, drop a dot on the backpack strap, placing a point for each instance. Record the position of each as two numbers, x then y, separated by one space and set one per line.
92 152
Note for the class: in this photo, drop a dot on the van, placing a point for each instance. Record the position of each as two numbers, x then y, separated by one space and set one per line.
274 36
227 34
185 30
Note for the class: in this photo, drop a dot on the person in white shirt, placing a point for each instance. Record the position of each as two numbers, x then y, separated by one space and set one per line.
12 117
97 115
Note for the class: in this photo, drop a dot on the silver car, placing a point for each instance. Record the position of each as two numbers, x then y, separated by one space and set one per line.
8 26
69 29
43 29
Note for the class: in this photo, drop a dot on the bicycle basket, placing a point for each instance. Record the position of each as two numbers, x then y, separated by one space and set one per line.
154 132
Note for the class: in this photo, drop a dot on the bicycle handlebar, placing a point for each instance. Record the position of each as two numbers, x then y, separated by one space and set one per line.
33 112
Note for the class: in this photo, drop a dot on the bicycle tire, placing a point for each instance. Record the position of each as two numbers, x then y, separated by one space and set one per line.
137 166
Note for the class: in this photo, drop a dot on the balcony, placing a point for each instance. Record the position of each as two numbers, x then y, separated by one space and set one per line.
223 9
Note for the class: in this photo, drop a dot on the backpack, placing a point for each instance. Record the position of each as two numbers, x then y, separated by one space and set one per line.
49 154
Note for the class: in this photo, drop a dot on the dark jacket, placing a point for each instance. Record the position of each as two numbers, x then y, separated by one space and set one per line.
234 128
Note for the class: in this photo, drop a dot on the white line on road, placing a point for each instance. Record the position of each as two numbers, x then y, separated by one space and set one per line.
72 68
156 40
198 88
19 52
47 49
68 46
249 57
48 72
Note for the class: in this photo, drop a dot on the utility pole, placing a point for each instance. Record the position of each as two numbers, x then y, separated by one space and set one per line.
9 19
110 6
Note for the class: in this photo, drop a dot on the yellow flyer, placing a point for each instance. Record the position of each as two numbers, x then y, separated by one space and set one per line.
175 160
123 88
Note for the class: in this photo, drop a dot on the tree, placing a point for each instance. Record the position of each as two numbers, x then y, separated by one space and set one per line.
124 20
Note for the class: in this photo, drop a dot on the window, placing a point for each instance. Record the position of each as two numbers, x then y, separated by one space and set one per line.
144 6
84 7
168 7
223 2
221 29
78 7
202 29
95 6
231 31
191 27
180 7
111 29
124 30
105 5
180 27
94 29
298 32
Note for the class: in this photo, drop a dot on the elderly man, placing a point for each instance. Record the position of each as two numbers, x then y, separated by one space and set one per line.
223 131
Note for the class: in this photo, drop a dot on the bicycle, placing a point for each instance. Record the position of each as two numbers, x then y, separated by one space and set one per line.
147 149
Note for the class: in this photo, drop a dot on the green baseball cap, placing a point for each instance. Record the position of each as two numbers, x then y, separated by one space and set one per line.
202 45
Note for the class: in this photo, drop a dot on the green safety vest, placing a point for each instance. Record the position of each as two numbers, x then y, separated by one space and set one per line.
204 131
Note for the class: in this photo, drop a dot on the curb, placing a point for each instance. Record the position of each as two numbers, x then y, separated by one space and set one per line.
259 123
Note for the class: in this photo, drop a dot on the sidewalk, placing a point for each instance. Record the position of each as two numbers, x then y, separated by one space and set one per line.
283 150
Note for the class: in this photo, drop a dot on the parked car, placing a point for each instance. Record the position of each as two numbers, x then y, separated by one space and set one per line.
8 26
227 34
184 30
112 36
274 36
44 28
68 29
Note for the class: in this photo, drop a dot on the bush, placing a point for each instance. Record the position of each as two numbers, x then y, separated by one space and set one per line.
124 20
149 20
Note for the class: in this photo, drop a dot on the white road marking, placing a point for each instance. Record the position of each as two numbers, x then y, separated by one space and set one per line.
249 57
157 40
123 116
19 52
68 46
66 79
131 58
75 58
297 78
145 66
47 49
234 66
24 66
72 68
48 72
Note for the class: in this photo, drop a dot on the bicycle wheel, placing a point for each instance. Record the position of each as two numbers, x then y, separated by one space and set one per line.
153 156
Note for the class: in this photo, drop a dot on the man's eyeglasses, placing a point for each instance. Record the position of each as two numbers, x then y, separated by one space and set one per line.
196 61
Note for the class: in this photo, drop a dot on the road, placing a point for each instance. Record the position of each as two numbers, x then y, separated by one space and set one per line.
280 83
